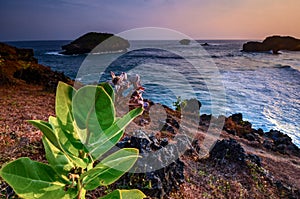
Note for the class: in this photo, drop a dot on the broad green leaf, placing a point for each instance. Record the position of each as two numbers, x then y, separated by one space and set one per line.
63 104
64 114
112 135
47 130
109 90
125 194
110 169
32 179
65 145
57 159
73 137
93 109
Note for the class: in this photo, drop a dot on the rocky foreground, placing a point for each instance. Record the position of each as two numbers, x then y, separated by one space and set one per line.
243 163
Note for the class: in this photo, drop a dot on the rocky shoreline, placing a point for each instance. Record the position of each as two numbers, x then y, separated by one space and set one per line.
18 66
244 162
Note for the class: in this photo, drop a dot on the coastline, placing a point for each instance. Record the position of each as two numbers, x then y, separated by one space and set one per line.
275 173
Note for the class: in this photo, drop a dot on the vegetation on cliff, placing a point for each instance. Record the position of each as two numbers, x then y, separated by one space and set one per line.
19 65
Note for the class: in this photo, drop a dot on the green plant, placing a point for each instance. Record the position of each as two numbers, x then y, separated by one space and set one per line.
84 129
179 104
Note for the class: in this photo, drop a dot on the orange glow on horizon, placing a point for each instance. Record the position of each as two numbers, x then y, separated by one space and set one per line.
249 19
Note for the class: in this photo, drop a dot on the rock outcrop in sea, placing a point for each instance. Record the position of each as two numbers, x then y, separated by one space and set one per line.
185 42
274 44
89 43
19 65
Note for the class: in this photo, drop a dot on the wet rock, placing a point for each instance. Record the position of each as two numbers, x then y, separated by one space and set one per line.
205 44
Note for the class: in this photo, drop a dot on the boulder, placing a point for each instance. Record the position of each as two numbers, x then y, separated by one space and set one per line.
281 143
226 152
235 125
158 183
89 43
274 44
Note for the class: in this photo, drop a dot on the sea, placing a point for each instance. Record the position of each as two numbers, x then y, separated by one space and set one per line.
264 87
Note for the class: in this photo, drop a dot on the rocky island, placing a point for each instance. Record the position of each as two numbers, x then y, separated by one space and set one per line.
89 43
185 42
274 44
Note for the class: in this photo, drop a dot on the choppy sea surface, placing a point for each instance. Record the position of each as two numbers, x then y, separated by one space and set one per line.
262 86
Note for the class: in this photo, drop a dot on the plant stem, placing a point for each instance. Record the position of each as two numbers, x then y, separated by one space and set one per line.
79 187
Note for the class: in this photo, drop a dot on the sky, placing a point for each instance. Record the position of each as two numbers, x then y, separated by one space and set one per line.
199 19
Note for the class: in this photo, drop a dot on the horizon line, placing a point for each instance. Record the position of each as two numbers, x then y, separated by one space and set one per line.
198 39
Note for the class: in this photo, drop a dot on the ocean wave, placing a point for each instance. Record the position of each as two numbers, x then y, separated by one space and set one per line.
155 56
229 55
54 53
58 53
106 52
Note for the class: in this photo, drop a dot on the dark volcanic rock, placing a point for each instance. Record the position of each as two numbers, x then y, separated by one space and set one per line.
237 118
227 151
235 125
42 76
158 183
185 42
274 44
281 143
90 43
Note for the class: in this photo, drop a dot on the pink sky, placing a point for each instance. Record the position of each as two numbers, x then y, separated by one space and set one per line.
199 19
235 19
